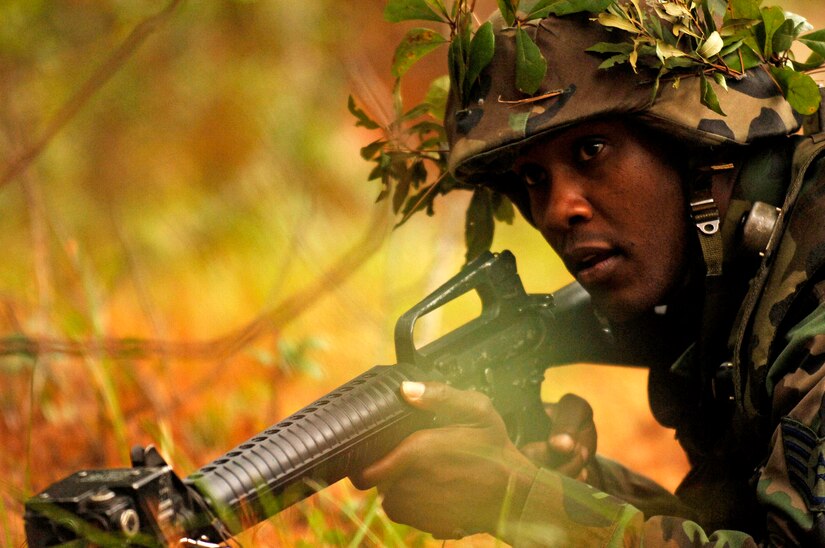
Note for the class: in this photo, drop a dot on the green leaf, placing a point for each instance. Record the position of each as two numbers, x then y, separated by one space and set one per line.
733 27
611 20
543 8
415 112
800 23
709 98
680 62
402 190
611 47
713 10
665 51
436 96
784 36
418 173
416 44
743 58
442 9
614 60
814 61
772 18
482 47
730 48
410 10
674 9
716 8
479 224
363 119
378 171
744 9
655 27
530 64
815 41
508 11
720 79
799 89
457 61
503 210
711 46
369 151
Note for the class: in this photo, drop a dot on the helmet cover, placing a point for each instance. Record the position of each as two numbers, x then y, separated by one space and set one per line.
486 134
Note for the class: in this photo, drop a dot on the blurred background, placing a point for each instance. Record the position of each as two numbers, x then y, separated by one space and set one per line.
197 252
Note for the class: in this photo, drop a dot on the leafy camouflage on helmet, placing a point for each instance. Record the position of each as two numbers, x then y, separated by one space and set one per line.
487 132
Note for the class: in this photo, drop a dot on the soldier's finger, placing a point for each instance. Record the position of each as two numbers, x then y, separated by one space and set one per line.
448 404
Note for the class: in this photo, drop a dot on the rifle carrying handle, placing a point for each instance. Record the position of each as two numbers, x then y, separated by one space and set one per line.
322 443
492 275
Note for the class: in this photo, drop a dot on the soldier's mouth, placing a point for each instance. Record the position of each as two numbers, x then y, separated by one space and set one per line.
594 265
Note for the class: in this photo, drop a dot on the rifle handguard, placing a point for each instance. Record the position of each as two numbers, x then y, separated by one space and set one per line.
322 443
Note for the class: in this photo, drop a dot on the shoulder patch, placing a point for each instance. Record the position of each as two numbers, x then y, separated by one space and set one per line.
805 461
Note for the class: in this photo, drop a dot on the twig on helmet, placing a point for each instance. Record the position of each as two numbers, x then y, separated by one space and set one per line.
543 96
771 76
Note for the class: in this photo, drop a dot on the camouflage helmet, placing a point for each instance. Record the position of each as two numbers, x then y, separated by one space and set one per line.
487 133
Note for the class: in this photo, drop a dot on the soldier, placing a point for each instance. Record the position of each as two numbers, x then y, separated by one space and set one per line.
700 239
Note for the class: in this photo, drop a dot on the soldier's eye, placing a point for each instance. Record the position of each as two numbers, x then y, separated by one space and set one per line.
589 148
533 175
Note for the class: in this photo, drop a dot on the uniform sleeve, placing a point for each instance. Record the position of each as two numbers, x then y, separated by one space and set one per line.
642 492
559 511
792 484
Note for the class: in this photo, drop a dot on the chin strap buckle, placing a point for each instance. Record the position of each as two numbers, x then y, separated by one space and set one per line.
705 214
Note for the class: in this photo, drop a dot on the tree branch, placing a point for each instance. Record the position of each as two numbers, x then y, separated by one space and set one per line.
96 81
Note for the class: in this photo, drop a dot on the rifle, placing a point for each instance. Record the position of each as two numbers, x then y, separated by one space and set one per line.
503 353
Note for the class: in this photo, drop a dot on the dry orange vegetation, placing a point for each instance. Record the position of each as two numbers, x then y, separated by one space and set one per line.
213 183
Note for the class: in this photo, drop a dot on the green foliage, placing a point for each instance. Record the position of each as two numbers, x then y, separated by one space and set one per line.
530 64
415 45
711 39
482 48
408 10
567 7
680 38
799 89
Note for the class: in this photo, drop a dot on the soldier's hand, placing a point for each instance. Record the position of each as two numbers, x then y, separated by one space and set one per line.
456 478
571 445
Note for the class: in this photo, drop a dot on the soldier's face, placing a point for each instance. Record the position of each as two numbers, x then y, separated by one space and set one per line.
611 205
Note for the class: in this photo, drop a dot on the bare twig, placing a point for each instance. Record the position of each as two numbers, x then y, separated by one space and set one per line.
95 82
223 347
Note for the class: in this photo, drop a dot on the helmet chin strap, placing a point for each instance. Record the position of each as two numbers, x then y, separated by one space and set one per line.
704 212
706 217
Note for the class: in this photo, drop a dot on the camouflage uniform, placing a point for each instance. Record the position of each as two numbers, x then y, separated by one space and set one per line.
757 463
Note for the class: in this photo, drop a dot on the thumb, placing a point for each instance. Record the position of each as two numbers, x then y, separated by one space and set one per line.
448 404
572 427
571 415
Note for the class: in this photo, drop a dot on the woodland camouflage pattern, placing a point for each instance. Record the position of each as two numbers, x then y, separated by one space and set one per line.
762 482
760 479
485 134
